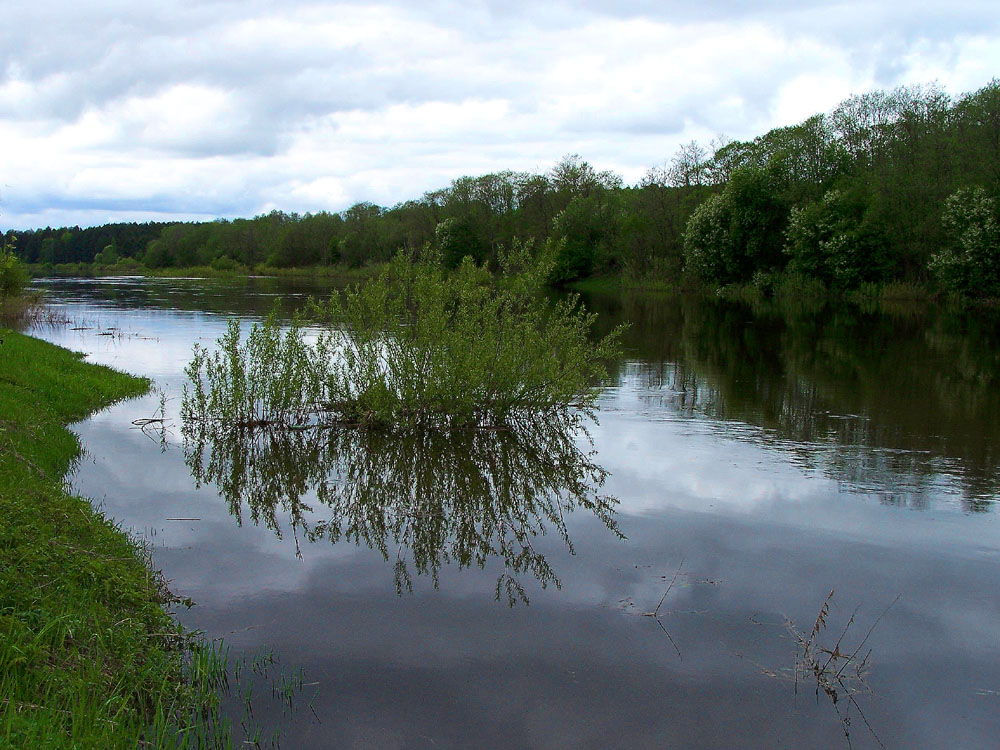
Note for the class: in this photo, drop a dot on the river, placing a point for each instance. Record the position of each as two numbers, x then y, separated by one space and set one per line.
756 461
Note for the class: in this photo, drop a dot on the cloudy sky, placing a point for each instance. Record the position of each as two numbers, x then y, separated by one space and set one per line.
116 110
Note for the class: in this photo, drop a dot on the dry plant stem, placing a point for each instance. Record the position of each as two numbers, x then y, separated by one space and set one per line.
655 614
835 653
868 635
677 572
830 673
672 642
806 644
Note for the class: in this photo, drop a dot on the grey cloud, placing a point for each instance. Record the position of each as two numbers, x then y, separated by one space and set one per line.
111 59
276 86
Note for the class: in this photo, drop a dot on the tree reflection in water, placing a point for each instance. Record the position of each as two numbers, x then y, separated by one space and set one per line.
425 497
897 401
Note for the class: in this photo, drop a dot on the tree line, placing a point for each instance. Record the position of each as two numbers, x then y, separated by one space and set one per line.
900 185
75 245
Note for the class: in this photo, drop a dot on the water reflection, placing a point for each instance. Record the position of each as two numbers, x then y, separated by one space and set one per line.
885 402
250 297
423 498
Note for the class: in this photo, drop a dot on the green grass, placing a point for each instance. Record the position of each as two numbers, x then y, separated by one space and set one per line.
894 291
89 270
312 272
89 657
618 283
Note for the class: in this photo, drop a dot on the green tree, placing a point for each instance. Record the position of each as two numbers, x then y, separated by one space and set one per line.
737 232
48 251
13 277
970 261
833 240
157 255
364 235
457 239
107 257
587 231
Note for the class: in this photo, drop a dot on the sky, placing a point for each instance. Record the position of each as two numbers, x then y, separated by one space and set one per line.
116 110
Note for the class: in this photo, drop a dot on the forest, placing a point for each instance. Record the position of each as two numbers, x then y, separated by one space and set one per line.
889 186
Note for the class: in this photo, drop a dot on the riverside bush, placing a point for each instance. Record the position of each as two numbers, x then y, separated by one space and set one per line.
13 277
970 260
417 344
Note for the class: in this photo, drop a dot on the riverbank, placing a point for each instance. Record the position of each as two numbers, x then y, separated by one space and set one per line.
89 656
97 270
777 290
788 291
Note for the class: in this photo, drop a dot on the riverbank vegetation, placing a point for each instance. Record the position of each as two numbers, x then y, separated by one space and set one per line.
89 656
15 302
888 188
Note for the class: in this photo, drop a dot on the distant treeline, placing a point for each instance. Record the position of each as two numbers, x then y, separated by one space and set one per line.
901 185
76 245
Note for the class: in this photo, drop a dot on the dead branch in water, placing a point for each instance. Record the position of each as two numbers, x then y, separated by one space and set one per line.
655 614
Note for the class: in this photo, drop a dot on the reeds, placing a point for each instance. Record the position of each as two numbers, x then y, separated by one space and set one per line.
838 671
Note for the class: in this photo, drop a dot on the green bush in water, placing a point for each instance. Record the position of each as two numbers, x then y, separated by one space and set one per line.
418 344
271 377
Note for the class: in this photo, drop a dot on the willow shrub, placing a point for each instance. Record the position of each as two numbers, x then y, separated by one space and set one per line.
417 344
269 377
13 277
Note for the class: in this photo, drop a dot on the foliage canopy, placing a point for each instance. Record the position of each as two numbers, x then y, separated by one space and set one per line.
13 277
970 259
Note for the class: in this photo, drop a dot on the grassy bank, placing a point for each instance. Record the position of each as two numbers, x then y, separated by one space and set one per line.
88 655
92 270
616 284
789 291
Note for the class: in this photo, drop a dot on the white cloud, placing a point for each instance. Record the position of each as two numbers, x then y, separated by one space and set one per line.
116 110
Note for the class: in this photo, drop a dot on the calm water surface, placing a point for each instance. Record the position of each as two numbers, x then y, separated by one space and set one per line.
484 591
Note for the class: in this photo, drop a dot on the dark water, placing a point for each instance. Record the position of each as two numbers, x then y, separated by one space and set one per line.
486 591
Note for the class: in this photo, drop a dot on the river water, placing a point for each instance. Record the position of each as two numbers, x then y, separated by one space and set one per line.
755 460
